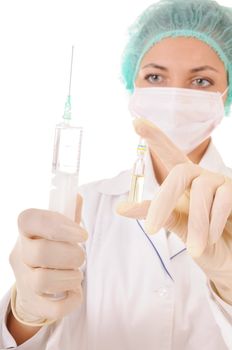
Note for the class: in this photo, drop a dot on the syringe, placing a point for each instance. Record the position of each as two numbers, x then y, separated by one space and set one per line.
137 180
65 167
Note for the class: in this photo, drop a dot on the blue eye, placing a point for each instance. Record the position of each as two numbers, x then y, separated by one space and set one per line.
201 82
150 78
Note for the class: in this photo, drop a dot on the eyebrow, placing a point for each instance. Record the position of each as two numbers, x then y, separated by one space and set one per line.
193 70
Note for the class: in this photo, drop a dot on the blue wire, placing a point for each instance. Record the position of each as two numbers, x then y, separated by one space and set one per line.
178 253
155 250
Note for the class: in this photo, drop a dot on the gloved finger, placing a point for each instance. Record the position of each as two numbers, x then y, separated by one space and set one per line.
169 154
133 210
51 254
202 194
220 212
51 281
56 310
201 199
79 204
176 223
165 201
34 223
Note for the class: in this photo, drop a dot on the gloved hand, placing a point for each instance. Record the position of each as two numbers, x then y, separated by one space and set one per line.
192 202
46 259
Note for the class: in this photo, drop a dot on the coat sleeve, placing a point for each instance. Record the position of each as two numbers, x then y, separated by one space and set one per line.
222 313
37 342
225 308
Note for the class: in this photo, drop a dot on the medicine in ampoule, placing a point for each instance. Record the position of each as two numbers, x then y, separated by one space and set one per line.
137 180
136 191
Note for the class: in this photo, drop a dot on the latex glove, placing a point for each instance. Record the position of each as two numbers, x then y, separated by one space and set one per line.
46 259
192 202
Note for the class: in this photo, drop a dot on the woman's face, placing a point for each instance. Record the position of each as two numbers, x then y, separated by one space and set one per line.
184 63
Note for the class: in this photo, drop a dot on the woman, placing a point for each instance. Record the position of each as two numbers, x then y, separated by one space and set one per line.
142 291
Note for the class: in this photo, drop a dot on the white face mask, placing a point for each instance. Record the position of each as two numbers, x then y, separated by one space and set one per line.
186 116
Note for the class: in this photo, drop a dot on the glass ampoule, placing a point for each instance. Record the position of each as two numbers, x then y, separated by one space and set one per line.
137 180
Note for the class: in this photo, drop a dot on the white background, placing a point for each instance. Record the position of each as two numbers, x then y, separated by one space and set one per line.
35 45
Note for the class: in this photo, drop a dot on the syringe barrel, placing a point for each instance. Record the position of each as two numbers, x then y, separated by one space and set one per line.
63 194
65 169
67 149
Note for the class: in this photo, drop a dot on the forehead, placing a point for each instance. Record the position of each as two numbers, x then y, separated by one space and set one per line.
185 50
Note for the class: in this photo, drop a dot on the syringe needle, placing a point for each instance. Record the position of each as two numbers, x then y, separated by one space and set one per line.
70 77
67 116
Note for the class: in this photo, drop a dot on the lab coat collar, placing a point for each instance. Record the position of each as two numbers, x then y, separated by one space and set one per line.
212 160
120 184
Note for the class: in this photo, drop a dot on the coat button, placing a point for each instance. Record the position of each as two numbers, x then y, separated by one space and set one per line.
162 292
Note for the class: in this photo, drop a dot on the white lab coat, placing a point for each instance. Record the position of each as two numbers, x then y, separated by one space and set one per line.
134 299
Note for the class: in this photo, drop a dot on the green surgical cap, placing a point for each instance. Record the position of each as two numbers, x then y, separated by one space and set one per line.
205 20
